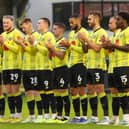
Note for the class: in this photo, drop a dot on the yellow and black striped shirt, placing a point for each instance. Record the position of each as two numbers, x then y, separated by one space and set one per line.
96 60
76 51
29 54
57 62
121 57
12 58
44 61
111 53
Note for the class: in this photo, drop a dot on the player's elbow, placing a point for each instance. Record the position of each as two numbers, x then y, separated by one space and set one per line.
97 48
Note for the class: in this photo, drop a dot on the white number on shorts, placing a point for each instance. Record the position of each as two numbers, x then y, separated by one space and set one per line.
79 79
34 80
46 84
124 79
13 76
97 76
62 82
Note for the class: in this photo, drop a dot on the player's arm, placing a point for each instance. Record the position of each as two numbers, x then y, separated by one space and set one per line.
21 41
92 45
110 46
106 43
124 48
59 53
14 48
88 43
42 48
76 48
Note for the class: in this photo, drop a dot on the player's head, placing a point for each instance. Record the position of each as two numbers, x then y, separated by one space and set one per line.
112 23
58 29
75 21
94 19
43 24
26 25
122 19
8 22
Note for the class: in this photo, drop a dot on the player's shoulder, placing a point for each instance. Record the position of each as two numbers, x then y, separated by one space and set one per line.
102 31
3 33
35 34
16 30
126 30
83 29
71 32
49 34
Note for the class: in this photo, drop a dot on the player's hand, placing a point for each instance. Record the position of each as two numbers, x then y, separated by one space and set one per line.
105 42
31 39
64 43
82 37
49 45
19 40
1 39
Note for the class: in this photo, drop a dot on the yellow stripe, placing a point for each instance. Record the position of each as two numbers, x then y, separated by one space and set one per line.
10 95
83 97
2 96
75 97
16 94
42 92
115 95
64 94
92 96
48 92
127 93
100 95
57 94
122 94
37 98
30 98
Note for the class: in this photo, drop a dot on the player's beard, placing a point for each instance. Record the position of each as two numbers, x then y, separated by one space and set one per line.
75 27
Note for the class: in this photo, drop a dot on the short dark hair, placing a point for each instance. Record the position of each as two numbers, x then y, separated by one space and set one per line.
46 20
94 13
75 15
124 15
60 25
26 20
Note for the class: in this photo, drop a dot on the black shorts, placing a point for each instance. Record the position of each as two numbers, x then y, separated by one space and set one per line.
61 78
95 76
45 79
78 75
30 80
11 76
111 82
121 78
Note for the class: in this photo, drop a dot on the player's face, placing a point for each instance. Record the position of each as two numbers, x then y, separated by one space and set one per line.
7 24
73 23
56 30
112 24
40 25
25 27
91 21
119 22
